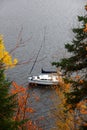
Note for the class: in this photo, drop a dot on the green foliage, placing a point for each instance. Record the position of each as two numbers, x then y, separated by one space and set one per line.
77 48
8 104
82 19
76 62
83 128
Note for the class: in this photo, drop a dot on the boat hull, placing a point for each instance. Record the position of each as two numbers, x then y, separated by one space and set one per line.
33 82
44 79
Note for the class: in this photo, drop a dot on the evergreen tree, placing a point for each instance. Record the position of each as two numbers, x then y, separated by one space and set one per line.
77 62
75 66
8 104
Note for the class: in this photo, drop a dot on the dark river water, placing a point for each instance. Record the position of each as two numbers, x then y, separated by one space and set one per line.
23 21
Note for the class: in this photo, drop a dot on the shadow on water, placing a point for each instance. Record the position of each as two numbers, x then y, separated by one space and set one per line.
45 87
42 101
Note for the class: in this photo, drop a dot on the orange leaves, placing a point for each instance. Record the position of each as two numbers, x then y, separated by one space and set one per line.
81 81
82 110
22 97
85 29
18 88
23 110
29 125
86 7
86 48
31 110
32 126
77 77
82 107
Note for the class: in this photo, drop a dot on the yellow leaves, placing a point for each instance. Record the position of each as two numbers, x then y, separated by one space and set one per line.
5 56
1 39
83 107
2 47
64 120
67 122
15 61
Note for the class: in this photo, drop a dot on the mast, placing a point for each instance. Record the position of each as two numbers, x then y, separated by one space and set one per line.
35 59
38 51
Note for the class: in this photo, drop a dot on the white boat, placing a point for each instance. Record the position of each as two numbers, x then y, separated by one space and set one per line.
43 79
46 77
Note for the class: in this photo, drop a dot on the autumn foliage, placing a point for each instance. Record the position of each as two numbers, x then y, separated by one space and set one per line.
5 56
14 108
64 118
72 91
23 109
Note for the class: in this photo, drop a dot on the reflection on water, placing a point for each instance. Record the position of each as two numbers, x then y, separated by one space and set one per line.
43 100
